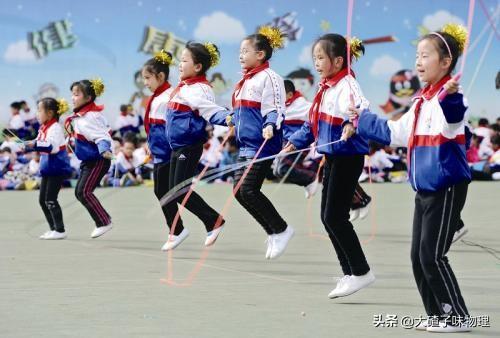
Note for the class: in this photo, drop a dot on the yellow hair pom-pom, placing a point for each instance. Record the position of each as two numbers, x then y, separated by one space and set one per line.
355 47
163 57
214 54
273 35
98 86
62 105
458 32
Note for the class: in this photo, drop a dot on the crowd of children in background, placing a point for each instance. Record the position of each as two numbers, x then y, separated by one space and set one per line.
19 170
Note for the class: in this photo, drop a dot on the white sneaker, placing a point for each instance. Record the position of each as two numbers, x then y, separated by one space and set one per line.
363 212
340 284
459 234
312 189
445 327
269 242
280 241
56 235
353 215
99 231
46 234
174 241
212 236
354 284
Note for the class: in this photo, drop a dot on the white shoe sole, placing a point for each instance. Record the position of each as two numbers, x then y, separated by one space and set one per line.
171 245
213 236
353 215
98 232
278 254
353 291
55 238
45 235
269 247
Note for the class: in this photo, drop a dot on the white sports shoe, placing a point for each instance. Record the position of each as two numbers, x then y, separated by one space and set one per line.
174 241
212 236
99 231
56 235
340 284
312 189
445 327
354 284
459 234
353 215
280 241
45 234
269 242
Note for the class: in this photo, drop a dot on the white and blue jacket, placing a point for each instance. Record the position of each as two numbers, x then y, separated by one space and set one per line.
51 145
333 115
437 146
259 102
297 113
191 106
157 138
91 131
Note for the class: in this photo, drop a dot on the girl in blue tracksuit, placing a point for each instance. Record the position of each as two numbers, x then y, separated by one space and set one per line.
54 163
191 106
329 122
92 147
258 114
155 74
433 130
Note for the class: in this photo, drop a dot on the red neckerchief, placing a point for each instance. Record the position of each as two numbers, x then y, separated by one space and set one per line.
247 74
324 85
123 113
156 93
45 127
428 93
295 96
80 111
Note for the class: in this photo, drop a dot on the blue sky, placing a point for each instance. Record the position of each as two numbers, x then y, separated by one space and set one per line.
110 33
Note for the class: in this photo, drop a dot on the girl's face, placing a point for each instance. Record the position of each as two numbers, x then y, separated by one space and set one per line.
430 68
78 98
249 57
43 114
152 81
324 66
187 67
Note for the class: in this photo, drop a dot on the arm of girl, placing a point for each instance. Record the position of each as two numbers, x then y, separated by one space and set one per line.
394 133
272 103
454 104
303 137
97 132
203 101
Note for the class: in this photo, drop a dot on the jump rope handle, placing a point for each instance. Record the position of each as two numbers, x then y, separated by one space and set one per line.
443 93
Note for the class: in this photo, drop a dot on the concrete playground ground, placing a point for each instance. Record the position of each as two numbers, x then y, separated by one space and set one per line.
118 285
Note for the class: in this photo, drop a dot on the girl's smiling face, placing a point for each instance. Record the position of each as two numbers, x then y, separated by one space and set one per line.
78 98
324 65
